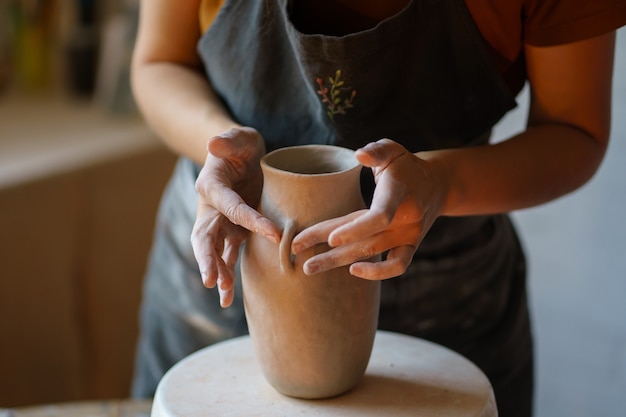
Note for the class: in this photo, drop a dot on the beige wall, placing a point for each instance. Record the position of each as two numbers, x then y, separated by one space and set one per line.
73 249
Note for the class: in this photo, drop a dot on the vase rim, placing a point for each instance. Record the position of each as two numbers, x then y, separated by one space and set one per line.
313 160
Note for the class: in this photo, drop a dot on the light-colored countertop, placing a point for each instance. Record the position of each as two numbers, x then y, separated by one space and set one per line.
44 136
113 408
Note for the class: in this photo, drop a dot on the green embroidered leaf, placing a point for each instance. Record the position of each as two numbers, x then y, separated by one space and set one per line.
331 95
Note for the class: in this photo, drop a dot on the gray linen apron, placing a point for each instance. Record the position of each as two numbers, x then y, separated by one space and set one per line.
422 78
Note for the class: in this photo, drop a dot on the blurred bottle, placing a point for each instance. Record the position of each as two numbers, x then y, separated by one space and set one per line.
31 24
113 89
82 49
5 47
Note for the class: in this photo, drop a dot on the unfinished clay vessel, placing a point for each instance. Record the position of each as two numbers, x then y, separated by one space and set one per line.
312 335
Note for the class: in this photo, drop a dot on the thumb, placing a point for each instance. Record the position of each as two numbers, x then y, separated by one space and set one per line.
379 154
222 147
234 143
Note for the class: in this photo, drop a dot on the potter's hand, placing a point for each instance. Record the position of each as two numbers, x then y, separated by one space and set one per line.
229 186
407 200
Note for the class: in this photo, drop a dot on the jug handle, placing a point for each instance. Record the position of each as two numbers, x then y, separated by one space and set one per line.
286 261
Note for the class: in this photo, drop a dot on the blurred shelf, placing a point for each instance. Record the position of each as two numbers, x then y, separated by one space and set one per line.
45 136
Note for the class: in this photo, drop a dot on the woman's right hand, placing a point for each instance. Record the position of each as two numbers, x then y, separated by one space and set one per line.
229 188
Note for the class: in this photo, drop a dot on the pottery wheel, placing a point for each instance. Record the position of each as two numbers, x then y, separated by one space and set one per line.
406 376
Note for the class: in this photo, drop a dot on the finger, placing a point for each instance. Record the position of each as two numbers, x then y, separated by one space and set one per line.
231 205
204 239
222 146
208 268
346 255
226 278
226 297
239 146
236 144
231 247
380 153
226 284
319 232
369 223
366 249
388 195
207 244
398 260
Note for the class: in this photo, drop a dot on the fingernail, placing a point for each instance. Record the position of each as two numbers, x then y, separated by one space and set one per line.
334 241
272 238
223 300
337 238
296 248
311 268
225 285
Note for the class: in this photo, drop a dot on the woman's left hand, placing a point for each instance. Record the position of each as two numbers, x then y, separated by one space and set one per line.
409 196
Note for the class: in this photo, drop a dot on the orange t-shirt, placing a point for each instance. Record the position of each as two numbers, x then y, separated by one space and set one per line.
507 24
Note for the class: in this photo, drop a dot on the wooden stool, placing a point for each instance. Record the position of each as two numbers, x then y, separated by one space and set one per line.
406 376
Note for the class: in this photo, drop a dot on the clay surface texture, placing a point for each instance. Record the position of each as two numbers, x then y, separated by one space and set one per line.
312 335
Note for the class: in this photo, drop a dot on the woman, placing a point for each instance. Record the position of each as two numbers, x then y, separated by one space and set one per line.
416 87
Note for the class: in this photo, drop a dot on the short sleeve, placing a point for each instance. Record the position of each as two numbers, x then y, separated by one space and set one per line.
208 12
555 22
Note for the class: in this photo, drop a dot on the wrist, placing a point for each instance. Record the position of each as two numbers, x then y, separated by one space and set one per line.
442 172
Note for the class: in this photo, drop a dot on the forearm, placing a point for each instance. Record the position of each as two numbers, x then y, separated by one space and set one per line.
180 106
541 164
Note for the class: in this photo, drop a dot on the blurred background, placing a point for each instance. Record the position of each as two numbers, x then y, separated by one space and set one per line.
576 250
80 180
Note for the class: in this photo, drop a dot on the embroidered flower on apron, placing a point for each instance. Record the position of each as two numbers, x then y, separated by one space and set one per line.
334 97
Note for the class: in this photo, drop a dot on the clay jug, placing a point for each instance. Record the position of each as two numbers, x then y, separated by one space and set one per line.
312 335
